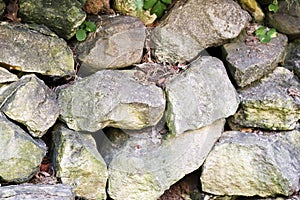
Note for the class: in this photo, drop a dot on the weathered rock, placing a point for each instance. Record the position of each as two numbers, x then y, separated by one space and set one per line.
2 7
286 20
78 163
292 60
30 102
271 104
248 63
253 8
142 169
63 17
6 76
248 164
34 50
20 154
111 98
39 191
118 43
194 26
96 6
199 96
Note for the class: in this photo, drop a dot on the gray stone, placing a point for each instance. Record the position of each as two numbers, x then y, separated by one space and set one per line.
199 96
2 7
38 191
30 102
249 164
272 104
143 169
194 26
111 98
29 50
292 60
78 163
63 17
286 20
118 43
248 63
20 154
6 76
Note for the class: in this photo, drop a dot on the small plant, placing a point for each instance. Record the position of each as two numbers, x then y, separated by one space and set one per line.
273 7
157 7
264 34
84 28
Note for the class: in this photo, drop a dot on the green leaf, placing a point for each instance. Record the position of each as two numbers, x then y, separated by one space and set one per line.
260 31
90 26
149 4
167 1
264 38
273 8
80 35
158 9
272 33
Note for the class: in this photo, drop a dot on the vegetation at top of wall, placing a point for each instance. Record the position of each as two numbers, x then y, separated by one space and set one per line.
157 7
84 28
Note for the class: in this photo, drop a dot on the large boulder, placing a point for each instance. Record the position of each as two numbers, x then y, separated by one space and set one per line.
194 26
144 169
118 43
199 96
111 98
249 164
30 102
250 62
273 103
78 163
63 17
34 49
21 155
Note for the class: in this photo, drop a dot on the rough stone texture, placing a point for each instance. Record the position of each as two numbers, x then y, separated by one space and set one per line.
30 102
20 155
32 49
39 191
286 20
271 104
111 98
248 63
63 17
142 169
118 43
249 164
6 76
78 163
199 96
194 26
2 7
292 60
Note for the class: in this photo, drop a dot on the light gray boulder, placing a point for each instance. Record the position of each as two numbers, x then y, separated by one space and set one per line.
37 191
249 164
30 48
199 96
6 76
30 102
20 155
273 103
197 24
118 43
144 169
78 163
111 98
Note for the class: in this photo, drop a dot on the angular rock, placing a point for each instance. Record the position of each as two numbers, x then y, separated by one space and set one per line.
142 169
47 55
111 98
194 26
30 102
78 163
199 96
21 155
292 60
62 17
272 104
249 164
2 7
118 43
248 63
39 191
286 20
6 76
